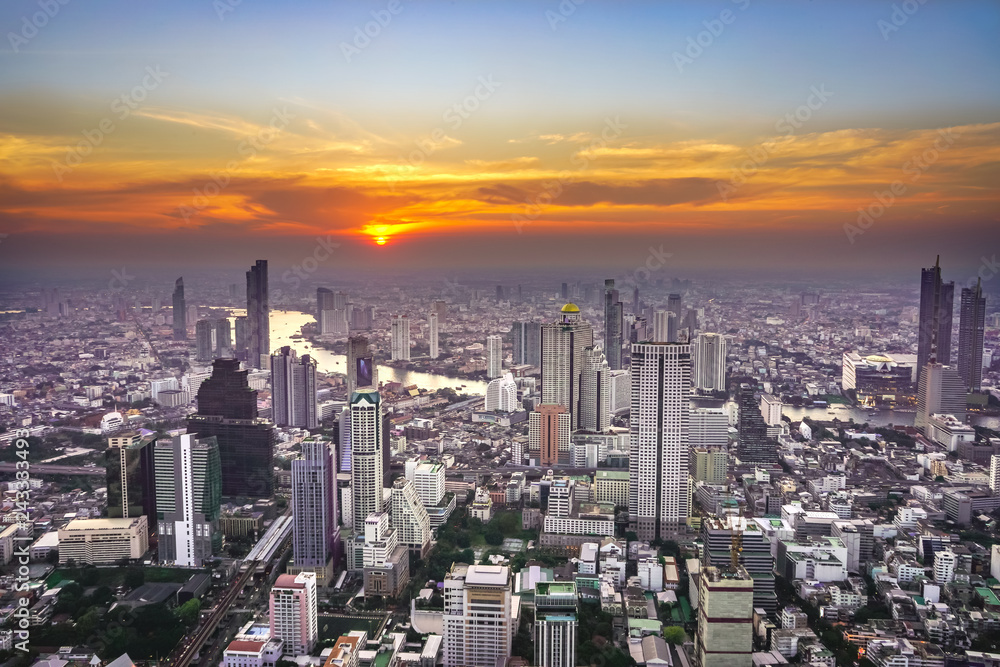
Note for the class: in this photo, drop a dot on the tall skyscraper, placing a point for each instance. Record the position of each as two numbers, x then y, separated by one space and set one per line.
936 307
204 336
563 343
315 532
400 338
223 338
709 355
188 499
293 613
658 451
432 335
526 339
971 324
227 409
754 445
675 304
361 371
242 334
501 394
409 517
131 478
595 391
180 311
366 456
940 390
331 312
549 433
477 623
613 325
293 389
725 614
258 315
494 356
555 624
664 327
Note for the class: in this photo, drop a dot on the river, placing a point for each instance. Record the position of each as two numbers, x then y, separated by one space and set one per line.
286 323
879 418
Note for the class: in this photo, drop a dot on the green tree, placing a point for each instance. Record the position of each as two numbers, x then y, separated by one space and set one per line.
673 634
188 612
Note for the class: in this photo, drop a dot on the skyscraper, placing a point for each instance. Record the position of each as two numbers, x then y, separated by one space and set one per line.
526 338
613 323
494 356
595 391
664 327
940 390
549 433
293 613
242 334
331 312
400 338
432 335
675 305
227 409
180 311
971 323
409 517
754 446
725 614
361 371
293 389
366 456
563 343
315 533
501 394
477 623
258 315
204 336
223 338
130 477
658 452
709 355
188 499
936 306
555 624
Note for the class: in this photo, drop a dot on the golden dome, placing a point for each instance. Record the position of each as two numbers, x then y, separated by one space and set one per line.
570 308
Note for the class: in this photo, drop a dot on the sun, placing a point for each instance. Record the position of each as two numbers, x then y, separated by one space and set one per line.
381 240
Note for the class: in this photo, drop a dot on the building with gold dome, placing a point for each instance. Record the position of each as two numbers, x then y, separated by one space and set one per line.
880 379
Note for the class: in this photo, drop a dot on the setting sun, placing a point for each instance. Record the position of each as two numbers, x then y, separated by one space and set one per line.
381 240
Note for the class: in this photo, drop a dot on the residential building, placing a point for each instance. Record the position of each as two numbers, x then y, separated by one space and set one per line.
293 613
188 499
477 624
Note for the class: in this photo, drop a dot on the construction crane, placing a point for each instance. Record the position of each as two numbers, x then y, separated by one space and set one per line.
736 539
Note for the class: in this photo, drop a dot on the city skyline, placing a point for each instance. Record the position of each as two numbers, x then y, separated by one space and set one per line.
625 139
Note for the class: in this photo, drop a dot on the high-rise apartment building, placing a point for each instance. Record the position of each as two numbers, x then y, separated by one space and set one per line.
709 355
227 409
293 389
204 337
258 315
432 336
613 325
131 478
188 499
940 391
223 338
409 517
315 532
725 613
971 326
549 433
709 465
331 312
936 308
477 620
526 338
242 337
400 333
293 613
494 356
595 391
658 456
753 446
555 624
501 394
563 343
366 456
361 371
180 311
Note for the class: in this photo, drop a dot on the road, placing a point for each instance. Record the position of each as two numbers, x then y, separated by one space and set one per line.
54 469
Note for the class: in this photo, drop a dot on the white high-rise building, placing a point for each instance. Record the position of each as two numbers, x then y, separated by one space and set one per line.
432 335
409 517
595 391
477 619
188 478
770 409
428 480
945 563
709 356
366 456
658 456
501 394
995 474
294 614
293 389
940 391
494 356
563 343
708 428
665 326
315 528
621 391
380 539
400 338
